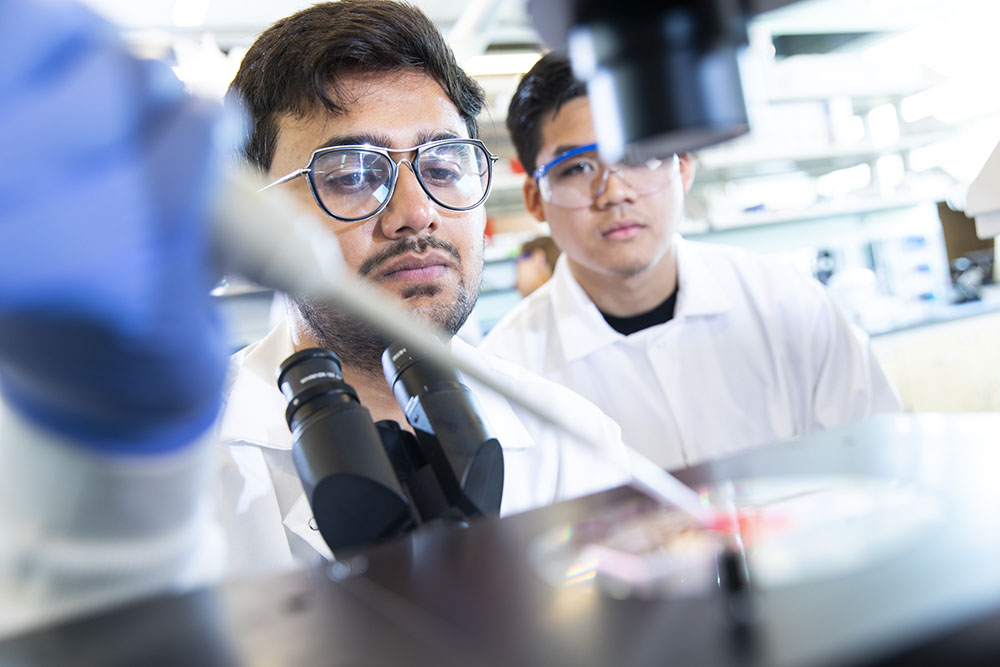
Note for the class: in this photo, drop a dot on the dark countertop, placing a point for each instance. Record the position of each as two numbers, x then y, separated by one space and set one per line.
476 596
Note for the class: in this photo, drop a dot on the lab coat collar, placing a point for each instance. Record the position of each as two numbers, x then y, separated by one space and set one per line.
700 292
257 415
258 410
583 330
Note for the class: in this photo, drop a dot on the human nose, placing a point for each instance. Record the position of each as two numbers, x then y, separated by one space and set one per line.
410 211
613 191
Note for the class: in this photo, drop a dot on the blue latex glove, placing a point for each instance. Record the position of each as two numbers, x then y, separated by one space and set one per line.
107 331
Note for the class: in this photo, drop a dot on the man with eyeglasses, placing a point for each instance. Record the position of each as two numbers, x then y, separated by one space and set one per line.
361 113
697 350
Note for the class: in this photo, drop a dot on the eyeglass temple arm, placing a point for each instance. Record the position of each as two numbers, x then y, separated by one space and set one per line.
287 177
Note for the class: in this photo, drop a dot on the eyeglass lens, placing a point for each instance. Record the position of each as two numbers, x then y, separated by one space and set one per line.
354 183
580 179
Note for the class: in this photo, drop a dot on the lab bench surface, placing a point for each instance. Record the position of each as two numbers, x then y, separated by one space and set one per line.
475 596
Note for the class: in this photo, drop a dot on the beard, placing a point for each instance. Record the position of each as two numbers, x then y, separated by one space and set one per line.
359 345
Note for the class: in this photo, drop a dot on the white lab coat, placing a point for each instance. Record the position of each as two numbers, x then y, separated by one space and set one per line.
755 353
263 508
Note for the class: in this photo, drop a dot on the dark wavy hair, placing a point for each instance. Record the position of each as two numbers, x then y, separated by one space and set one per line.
547 86
296 66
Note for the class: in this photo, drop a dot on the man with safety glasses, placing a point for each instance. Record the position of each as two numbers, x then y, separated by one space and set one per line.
697 350
361 113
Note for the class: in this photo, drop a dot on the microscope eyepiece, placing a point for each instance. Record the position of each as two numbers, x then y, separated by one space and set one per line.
350 483
308 375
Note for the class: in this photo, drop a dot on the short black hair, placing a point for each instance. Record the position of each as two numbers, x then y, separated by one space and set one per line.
547 86
296 66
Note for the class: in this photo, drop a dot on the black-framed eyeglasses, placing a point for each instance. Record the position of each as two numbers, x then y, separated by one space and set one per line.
353 183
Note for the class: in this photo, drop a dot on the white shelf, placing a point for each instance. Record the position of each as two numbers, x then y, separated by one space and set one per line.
816 212
754 154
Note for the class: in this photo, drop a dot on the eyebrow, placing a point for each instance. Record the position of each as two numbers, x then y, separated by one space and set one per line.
565 148
382 140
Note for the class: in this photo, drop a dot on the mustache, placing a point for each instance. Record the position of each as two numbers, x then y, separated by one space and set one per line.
404 246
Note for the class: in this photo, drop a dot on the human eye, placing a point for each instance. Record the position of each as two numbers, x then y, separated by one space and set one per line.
346 180
575 168
442 173
443 168
350 174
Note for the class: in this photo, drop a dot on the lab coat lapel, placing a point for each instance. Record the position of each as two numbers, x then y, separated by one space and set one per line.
580 326
257 396
699 292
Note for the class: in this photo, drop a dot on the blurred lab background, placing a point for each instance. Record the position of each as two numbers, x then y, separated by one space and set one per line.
869 119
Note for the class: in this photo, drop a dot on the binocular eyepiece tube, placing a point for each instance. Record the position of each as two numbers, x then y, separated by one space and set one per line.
369 482
348 479
467 460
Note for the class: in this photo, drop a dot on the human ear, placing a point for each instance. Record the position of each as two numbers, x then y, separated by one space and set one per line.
687 170
533 199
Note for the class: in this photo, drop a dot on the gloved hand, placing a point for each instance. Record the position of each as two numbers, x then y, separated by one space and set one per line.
107 331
